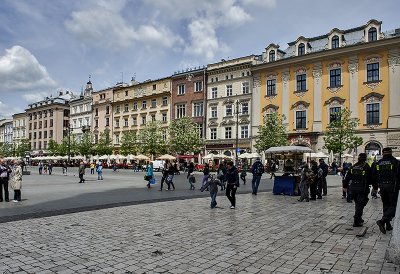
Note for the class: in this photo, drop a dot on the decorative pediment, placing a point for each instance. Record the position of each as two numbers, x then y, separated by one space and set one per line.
212 124
372 97
227 122
373 59
301 70
272 46
335 101
270 107
213 104
244 100
335 64
244 121
272 76
228 102
300 105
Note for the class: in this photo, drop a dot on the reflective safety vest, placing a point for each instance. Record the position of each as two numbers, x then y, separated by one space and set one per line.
358 179
385 173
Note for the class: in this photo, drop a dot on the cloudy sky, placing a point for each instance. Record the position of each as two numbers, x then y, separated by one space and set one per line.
48 45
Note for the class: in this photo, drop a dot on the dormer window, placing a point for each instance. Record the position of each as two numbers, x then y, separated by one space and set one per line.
372 34
301 49
335 42
272 56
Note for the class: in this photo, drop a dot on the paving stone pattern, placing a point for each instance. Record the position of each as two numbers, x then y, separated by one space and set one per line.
264 234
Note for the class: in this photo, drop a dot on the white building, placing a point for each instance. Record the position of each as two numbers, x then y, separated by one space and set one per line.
81 112
19 127
6 131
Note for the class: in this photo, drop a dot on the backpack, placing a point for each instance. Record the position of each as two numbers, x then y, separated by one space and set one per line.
310 177
358 178
258 169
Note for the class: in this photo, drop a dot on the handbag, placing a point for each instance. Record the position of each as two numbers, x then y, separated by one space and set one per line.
152 181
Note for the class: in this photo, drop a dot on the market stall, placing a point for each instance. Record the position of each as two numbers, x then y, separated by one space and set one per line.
288 182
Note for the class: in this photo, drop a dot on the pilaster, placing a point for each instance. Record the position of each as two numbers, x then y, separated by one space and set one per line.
353 70
317 75
285 95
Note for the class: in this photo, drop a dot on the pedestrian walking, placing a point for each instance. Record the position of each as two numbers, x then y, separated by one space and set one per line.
92 168
272 168
40 166
387 173
257 169
232 183
313 185
4 178
50 167
164 176
206 174
212 184
149 174
81 172
221 174
99 170
65 168
358 179
170 178
307 178
243 173
192 181
322 187
16 180
45 167
190 169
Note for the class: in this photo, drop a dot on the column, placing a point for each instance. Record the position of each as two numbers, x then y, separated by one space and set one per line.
317 75
285 95
353 69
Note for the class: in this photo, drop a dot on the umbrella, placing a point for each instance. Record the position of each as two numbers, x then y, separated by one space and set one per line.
319 154
346 155
288 149
166 157
78 157
113 157
142 157
209 156
222 156
103 157
245 155
254 155
121 157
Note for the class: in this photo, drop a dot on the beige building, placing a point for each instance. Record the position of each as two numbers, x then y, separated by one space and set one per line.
19 127
102 112
81 112
48 120
138 103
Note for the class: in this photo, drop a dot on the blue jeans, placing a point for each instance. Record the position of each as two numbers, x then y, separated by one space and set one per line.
213 199
255 183
99 175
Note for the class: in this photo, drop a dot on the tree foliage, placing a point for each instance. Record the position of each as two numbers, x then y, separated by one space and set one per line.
150 139
104 144
6 149
272 132
129 143
185 137
22 148
341 133
53 147
85 146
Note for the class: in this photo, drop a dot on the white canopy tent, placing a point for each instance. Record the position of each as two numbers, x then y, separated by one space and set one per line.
318 154
166 157
209 156
289 149
245 155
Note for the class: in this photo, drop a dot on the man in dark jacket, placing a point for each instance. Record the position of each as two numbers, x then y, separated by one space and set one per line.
232 183
322 185
358 179
257 169
4 177
81 172
387 173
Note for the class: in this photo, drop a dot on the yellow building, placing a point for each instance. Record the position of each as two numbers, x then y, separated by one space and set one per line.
138 103
315 77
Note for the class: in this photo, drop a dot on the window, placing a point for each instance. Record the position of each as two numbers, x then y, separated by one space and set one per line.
40 124
213 133
372 72
34 135
143 120
164 117
35 125
96 138
96 123
198 109
164 135
216 79
231 76
154 87
107 122
45 134
214 112
144 104
301 82
116 139
126 93
40 145
228 110
226 77
301 122
153 117
214 93
301 50
117 123
180 111
134 121
244 108
181 89
228 90
373 114
244 131
228 133
333 114
40 135
165 101
272 56
372 35
51 134
117 109
245 87
126 108
44 144
134 105
335 77
97 112
107 110
271 87
335 42
126 123
51 122
153 103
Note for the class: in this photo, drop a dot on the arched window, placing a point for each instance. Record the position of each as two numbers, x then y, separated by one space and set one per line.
372 149
272 56
301 50
335 42
372 34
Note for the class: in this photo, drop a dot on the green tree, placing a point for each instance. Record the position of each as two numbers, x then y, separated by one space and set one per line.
185 137
104 146
151 140
53 147
129 144
272 132
85 146
341 133
22 148
6 149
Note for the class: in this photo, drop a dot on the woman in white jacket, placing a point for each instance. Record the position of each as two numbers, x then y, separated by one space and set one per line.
16 180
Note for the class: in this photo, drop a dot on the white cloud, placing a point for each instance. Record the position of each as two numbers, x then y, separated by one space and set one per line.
8 111
35 96
21 71
161 36
260 3
236 15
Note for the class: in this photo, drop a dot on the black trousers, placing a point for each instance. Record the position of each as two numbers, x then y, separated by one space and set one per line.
360 201
163 179
313 190
17 194
81 178
230 193
389 203
4 185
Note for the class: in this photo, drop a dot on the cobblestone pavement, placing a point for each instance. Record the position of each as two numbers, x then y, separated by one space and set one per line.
264 234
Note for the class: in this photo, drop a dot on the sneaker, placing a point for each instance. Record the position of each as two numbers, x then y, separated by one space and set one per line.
15 201
381 225
357 224
232 207
389 227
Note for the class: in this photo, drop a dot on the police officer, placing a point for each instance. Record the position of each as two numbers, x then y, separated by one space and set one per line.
358 179
386 172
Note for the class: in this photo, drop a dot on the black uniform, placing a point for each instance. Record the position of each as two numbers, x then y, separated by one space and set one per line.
358 179
386 173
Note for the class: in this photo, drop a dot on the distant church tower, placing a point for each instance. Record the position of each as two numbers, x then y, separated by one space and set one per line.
88 89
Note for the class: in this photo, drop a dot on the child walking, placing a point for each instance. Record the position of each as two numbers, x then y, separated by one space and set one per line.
192 180
212 184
